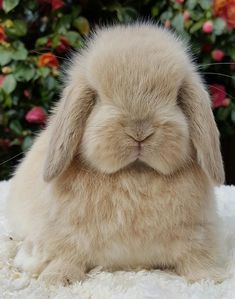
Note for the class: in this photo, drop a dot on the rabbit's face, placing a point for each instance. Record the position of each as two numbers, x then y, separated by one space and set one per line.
115 138
134 97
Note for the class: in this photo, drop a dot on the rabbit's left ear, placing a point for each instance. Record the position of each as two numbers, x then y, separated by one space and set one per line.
66 127
196 104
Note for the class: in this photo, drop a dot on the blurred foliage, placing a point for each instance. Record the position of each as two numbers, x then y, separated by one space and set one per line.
36 38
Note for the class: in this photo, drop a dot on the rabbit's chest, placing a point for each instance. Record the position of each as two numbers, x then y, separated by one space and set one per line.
131 222
137 210
129 217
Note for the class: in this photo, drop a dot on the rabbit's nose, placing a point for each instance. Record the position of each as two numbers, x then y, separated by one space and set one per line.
140 137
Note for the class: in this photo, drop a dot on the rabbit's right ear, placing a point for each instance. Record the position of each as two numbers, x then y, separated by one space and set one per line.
195 103
66 127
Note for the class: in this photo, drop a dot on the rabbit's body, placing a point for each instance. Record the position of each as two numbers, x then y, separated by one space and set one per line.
141 211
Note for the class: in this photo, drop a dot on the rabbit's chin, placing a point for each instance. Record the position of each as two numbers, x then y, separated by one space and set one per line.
140 164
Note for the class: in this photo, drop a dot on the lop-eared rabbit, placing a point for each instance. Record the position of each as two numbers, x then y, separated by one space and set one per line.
123 175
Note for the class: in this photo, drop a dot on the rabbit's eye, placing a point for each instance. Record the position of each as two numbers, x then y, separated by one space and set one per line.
96 99
179 96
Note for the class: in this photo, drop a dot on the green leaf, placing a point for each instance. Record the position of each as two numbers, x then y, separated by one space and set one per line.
205 4
8 5
63 24
211 38
41 41
75 11
222 113
73 37
50 83
178 23
190 4
8 101
24 72
9 84
233 116
196 26
20 54
231 52
19 28
209 14
186 37
16 127
15 141
43 72
219 26
196 15
27 143
155 11
126 14
5 55
31 4
167 15
82 25
55 41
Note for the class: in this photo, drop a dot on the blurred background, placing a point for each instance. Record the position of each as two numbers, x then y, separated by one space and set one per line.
38 36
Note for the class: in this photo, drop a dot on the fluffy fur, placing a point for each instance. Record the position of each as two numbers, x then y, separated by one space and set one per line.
122 176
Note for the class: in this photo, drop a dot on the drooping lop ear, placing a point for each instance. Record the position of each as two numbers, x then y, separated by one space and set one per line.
66 127
196 104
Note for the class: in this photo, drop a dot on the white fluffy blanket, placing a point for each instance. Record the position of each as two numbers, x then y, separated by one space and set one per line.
120 285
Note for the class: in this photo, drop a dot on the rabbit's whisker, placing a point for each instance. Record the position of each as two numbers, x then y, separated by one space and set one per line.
219 74
11 158
44 51
230 96
216 63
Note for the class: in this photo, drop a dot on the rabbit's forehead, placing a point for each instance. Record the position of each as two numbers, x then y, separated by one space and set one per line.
136 73
131 87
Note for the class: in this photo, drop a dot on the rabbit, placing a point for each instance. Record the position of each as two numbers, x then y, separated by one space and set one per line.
123 175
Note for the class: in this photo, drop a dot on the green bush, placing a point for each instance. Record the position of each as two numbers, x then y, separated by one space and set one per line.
36 38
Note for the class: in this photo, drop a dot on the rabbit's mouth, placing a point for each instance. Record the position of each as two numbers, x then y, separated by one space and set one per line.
139 151
139 165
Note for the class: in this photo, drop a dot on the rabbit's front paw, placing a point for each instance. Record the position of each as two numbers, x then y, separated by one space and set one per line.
202 270
30 259
217 275
59 272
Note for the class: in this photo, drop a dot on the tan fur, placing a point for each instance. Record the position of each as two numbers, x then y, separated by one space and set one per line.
89 194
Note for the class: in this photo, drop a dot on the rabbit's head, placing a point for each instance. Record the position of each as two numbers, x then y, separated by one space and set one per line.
134 96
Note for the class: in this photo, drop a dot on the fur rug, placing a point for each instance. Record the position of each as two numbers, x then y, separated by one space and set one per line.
120 285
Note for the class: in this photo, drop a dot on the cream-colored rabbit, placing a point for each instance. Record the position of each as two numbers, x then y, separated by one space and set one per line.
123 175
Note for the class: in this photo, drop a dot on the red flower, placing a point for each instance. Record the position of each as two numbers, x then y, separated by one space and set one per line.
179 1
217 55
207 27
226 10
186 15
48 59
56 4
218 94
44 1
26 93
226 102
2 78
36 115
167 24
232 66
3 36
49 43
63 46
1 2
207 48
5 143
